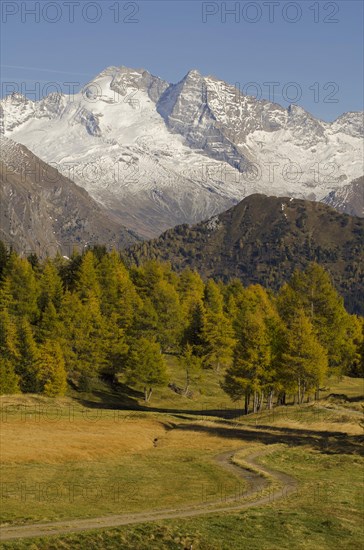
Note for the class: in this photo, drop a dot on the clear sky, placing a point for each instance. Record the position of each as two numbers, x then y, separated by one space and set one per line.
316 45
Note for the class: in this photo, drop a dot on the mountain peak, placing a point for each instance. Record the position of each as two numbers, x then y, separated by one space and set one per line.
193 73
183 152
16 97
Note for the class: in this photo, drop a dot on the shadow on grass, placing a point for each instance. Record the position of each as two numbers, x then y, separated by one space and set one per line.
344 397
122 397
324 441
107 395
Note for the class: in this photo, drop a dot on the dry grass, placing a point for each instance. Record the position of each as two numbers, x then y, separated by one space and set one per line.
80 440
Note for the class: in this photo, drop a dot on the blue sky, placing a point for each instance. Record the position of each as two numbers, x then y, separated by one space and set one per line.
317 46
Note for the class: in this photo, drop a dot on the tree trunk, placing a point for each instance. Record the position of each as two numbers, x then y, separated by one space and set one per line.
261 401
303 392
255 401
187 385
147 394
246 404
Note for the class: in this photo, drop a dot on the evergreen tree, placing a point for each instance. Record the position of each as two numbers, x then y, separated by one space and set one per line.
194 329
68 269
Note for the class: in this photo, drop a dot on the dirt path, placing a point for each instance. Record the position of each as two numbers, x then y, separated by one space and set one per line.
251 496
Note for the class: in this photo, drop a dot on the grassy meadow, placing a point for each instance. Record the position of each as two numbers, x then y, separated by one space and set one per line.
84 456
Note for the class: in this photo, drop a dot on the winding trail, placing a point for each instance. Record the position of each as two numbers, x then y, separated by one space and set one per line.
252 496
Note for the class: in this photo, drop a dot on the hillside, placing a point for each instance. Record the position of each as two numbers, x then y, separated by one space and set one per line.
263 239
43 211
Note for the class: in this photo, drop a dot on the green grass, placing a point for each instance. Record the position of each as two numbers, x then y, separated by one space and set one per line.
208 398
325 513
139 482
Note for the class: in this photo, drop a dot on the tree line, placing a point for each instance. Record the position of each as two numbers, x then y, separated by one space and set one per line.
67 321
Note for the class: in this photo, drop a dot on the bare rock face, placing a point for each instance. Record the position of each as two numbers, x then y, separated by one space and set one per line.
348 199
157 154
43 212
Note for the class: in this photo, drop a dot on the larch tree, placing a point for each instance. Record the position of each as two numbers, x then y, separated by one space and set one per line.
219 341
118 294
50 286
315 293
246 377
9 353
23 287
146 366
191 365
28 356
304 361
50 369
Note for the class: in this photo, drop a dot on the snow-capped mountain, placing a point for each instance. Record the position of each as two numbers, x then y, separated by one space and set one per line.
161 154
348 199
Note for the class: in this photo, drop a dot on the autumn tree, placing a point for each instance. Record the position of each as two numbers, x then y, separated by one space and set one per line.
9 353
9 380
83 331
50 369
191 365
50 287
304 361
23 287
219 341
28 356
313 291
146 366
247 375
